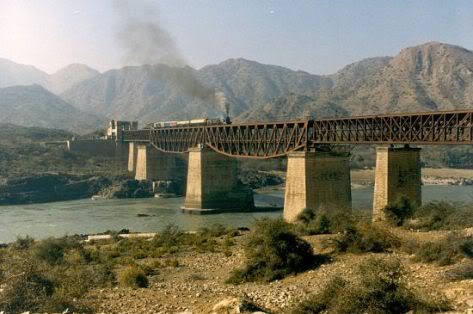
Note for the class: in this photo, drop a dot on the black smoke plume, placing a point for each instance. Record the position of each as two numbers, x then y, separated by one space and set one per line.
145 41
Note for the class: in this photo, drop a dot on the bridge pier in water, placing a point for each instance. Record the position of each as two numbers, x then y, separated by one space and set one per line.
398 174
132 156
316 180
212 183
154 165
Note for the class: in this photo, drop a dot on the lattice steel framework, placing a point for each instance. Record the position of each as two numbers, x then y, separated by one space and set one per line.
266 140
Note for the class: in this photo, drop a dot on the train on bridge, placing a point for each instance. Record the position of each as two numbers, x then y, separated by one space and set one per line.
190 123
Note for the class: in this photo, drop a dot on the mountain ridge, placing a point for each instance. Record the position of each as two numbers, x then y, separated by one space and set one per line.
430 76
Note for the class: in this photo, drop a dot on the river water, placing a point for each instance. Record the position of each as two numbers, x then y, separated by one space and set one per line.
92 216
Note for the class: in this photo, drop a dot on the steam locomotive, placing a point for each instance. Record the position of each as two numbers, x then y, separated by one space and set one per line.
183 123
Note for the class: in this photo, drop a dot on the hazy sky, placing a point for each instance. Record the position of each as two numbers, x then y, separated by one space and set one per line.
316 36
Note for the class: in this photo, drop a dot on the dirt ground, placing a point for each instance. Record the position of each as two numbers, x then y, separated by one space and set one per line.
198 282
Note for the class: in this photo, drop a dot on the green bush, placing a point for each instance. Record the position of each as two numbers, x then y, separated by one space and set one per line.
380 287
445 251
396 214
170 237
366 237
50 251
272 252
133 277
443 216
323 221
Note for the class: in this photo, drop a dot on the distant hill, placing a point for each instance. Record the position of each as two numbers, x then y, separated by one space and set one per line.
69 76
12 74
35 106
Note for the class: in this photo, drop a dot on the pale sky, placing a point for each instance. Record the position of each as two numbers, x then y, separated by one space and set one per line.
316 36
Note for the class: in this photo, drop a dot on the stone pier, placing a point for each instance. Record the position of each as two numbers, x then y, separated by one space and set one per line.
132 156
154 165
398 174
316 180
212 183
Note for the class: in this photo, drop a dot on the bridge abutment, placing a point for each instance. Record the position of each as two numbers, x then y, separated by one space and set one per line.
316 180
212 183
398 174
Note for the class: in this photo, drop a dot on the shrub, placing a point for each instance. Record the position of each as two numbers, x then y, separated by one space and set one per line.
133 276
312 222
461 272
50 251
396 214
23 243
380 287
217 230
170 237
273 251
27 289
366 237
445 251
443 216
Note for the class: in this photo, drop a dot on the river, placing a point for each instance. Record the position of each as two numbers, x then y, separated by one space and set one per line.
92 216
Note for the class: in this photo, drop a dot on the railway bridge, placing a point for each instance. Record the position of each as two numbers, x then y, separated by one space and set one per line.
318 174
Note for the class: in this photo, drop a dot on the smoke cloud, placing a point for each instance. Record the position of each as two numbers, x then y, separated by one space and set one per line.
222 102
145 41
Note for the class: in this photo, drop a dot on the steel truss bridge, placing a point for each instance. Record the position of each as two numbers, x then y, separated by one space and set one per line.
274 139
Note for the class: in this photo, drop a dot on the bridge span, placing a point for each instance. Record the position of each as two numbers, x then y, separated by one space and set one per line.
316 176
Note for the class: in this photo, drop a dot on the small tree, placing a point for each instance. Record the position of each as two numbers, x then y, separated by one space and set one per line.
273 251
397 213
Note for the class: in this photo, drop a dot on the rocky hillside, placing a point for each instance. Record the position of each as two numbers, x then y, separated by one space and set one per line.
150 93
35 106
432 76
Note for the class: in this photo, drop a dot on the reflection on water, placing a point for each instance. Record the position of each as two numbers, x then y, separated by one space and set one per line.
89 216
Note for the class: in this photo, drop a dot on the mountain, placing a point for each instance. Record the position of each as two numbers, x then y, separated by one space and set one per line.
35 106
12 74
69 76
432 76
150 93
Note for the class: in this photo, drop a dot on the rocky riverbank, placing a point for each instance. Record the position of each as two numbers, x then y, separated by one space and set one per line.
46 188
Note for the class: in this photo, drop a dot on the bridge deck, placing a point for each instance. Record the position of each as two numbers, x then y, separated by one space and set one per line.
272 139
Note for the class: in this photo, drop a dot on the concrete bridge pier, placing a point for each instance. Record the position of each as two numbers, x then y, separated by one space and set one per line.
132 156
316 180
212 183
398 174
154 165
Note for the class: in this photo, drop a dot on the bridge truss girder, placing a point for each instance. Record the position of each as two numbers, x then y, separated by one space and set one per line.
268 140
